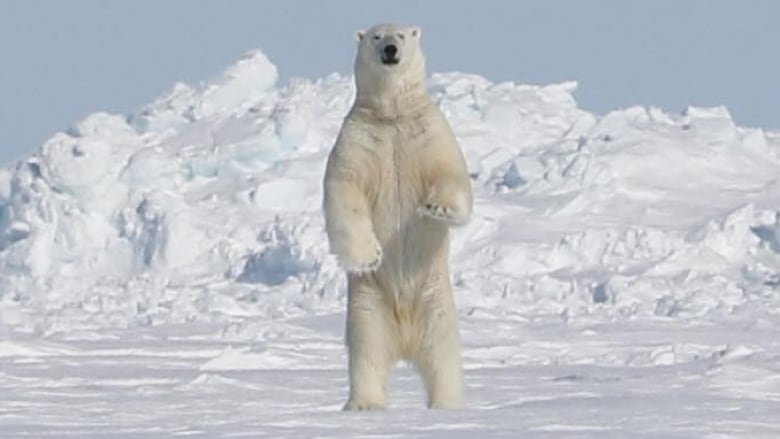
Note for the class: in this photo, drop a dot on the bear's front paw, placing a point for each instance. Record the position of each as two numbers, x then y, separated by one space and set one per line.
437 211
366 259
448 203
442 212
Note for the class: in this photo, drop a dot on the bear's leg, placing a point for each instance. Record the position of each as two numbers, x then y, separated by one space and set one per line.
371 353
439 357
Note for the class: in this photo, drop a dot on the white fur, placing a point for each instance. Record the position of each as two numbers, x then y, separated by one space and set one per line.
395 182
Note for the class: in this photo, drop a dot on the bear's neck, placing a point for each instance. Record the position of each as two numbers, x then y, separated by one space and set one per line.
389 99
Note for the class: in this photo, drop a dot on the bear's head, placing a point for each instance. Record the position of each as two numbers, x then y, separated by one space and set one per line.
391 45
389 55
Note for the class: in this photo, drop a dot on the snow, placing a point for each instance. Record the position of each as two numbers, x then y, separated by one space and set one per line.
166 273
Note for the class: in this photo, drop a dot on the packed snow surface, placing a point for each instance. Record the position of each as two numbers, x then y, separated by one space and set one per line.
166 273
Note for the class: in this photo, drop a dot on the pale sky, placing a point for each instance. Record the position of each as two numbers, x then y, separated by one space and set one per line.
62 60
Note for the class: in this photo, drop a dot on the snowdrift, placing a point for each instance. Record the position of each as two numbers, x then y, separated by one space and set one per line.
205 207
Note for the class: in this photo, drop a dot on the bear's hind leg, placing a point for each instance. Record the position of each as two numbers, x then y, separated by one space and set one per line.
439 356
371 352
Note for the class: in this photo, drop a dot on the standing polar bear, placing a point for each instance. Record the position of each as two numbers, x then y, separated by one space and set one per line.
396 181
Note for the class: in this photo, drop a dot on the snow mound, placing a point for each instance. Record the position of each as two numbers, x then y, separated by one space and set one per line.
205 207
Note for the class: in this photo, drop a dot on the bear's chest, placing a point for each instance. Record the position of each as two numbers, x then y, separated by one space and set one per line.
400 166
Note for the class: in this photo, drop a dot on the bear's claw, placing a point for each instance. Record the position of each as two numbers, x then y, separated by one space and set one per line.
439 212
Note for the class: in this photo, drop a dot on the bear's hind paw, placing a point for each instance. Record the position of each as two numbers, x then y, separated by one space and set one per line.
353 405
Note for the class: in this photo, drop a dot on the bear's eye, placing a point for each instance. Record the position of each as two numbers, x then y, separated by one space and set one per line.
377 37
401 35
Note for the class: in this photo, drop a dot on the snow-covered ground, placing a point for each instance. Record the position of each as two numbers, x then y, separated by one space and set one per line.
166 273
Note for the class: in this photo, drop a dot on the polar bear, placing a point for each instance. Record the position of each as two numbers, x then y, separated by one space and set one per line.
395 182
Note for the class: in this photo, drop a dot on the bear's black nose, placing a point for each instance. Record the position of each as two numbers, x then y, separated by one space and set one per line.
391 50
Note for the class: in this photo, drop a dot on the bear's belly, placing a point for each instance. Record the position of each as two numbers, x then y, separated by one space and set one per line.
414 247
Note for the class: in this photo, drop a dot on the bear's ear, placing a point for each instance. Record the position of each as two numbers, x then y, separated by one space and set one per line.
416 31
359 35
